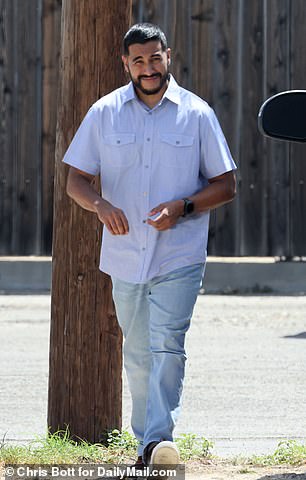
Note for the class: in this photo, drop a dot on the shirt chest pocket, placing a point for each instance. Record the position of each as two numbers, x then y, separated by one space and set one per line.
120 149
176 150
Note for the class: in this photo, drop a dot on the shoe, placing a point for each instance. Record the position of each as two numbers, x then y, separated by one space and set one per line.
147 452
165 453
161 454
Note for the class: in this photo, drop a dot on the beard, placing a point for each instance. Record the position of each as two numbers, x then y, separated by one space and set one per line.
162 81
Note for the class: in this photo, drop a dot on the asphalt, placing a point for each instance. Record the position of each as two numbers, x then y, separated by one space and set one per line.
245 378
223 275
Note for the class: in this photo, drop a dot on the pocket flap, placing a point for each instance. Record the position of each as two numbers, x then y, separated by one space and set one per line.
177 140
119 139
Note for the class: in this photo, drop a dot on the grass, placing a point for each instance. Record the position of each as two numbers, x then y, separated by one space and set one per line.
60 448
191 447
244 471
287 452
57 448
121 447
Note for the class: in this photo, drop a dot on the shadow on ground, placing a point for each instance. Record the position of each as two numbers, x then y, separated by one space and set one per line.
285 476
298 335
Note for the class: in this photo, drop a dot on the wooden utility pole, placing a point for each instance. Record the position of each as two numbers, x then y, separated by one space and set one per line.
85 341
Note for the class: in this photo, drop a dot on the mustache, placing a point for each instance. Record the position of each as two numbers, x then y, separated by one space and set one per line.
155 75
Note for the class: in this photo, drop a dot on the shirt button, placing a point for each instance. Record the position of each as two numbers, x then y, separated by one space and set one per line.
177 142
118 141
147 166
143 248
148 139
144 221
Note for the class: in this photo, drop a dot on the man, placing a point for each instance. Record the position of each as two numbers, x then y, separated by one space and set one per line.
164 163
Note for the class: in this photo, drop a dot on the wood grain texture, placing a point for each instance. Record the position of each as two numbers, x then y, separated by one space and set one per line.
29 106
253 210
85 342
226 101
232 53
7 137
202 44
298 151
277 172
20 154
51 38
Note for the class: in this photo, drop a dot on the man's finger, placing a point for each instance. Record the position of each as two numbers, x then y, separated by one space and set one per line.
113 226
118 227
162 223
109 227
156 210
158 220
161 227
120 223
125 223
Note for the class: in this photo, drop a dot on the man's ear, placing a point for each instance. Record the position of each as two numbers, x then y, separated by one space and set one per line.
169 56
125 63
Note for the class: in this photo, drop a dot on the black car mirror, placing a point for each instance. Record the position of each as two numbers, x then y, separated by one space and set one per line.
283 116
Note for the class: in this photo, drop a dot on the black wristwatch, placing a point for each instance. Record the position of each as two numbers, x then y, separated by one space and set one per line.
188 207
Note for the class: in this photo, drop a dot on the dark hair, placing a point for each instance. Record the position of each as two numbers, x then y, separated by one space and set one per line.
142 33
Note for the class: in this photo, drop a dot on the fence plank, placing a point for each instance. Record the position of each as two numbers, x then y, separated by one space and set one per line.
152 11
7 131
252 166
276 73
51 27
225 71
298 151
27 19
178 28
202 18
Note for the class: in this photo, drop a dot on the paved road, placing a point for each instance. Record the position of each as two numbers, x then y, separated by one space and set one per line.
245 381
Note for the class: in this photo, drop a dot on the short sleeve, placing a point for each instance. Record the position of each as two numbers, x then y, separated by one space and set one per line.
216 157
83 152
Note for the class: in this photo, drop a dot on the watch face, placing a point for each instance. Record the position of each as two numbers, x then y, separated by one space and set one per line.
189 207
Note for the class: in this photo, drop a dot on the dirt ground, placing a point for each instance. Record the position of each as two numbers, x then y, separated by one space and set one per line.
225 471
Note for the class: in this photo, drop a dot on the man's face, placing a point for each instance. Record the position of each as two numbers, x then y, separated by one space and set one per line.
147 65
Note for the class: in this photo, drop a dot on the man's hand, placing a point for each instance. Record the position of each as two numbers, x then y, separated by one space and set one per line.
113 218
170 212
81 190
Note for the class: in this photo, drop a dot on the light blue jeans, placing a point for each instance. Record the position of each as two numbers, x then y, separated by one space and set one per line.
154 318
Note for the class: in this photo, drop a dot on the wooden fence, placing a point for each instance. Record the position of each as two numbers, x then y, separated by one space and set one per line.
29 50
233 53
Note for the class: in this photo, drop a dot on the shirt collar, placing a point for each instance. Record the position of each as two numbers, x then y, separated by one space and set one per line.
128 93
172 93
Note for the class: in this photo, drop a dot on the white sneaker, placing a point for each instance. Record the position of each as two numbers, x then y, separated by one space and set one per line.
165 453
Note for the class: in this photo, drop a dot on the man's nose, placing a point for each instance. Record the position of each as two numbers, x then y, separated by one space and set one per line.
148 69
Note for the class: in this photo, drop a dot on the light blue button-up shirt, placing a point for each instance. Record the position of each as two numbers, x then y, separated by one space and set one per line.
147 157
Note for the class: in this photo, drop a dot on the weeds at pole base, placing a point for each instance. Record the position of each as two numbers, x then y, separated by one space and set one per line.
60 448
120 447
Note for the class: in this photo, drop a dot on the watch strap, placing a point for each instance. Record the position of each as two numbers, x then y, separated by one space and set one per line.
188 207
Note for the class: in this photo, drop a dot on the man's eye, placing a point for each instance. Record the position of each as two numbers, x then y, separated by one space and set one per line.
138 62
